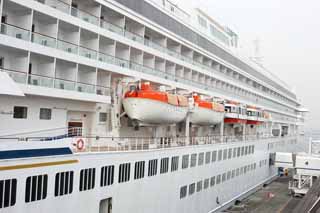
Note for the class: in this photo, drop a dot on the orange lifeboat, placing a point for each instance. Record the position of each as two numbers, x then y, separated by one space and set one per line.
154 107
206 112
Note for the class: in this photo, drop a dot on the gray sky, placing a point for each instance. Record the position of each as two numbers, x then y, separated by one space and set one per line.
289 32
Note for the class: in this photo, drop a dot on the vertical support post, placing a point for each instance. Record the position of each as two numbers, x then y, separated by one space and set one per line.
221 131
187 130
310 146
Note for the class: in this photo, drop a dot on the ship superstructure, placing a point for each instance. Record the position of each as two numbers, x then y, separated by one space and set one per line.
120 105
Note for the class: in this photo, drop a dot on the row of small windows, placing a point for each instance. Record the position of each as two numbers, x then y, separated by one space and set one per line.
36 186
212 181
21 112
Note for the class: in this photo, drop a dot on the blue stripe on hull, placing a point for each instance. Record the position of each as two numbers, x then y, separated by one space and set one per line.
29 153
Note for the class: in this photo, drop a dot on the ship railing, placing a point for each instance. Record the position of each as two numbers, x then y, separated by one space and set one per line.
44 135
90 18
106 144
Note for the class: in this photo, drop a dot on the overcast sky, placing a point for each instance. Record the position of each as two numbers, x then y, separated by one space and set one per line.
289 34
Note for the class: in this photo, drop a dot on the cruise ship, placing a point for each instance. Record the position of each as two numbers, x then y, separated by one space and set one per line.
133 106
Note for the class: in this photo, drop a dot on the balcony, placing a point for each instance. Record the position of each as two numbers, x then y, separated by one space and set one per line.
63 84
63 7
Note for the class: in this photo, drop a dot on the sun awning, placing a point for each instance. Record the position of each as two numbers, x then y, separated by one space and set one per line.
8 86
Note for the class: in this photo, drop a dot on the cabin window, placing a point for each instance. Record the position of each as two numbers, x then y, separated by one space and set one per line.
214 156
107 176
193 162
237 172
199 186
8 190
206 183
36 188
192 188
152 168
233 173
45 114
20 112
183 191
1 62
242 151
164 165
241 170
229 175
246 150
239 152
201 158
124 172
253 149
225 154
219 155
223 178
63 183
102 117
208 157
174 163
234 152
218 179
212 181
230 153
87 179
139 170
185 161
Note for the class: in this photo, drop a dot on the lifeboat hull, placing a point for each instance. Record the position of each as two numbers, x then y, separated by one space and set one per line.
203 116
153 112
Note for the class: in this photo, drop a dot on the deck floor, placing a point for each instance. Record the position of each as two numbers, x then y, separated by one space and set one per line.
262 202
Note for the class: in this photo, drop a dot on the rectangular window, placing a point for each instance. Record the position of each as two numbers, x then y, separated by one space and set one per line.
237 172
36 188
246 150
63 183
1 62
206 183
218 179
208 157
239 152
219 155
199 186
242 151
107 176
185 161
229 175
200 158
8 193
124 172
20 112
225 154
174 163
223 177
234 152
139 170
230 153
87 179
214 156
252 149
212 181
193 162
45 114
183 191
192 188
102 117
164 165
233 173
153 167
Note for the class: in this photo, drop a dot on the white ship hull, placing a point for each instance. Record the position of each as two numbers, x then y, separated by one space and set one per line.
153 112
204 116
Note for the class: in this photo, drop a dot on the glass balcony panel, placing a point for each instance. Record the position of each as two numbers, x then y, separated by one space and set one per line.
86 88
92 54
121 62
106 58
84 16
43 40
18 77
67 47
64 84
42 81
112 27
100 90
133 37
15 32
57 4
